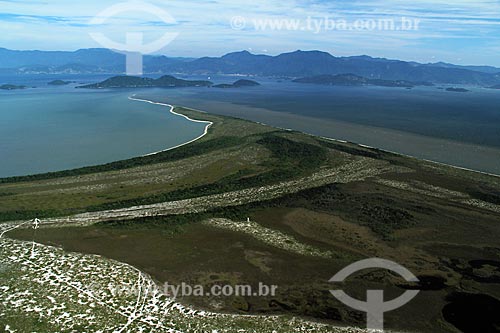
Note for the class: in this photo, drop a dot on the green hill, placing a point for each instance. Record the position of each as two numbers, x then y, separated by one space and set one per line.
145 82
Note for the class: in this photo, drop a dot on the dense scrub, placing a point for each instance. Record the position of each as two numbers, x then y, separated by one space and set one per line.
382 215
290 160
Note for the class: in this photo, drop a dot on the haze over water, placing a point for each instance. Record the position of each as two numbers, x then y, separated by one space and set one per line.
460 129
57 128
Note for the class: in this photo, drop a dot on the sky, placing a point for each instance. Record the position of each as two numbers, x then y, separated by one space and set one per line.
456 31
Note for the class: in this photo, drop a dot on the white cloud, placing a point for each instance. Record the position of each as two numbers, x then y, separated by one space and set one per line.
204 26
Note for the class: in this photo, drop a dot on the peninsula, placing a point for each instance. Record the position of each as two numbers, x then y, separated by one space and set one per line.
243 204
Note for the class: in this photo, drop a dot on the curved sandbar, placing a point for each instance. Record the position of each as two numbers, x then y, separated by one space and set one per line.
209 123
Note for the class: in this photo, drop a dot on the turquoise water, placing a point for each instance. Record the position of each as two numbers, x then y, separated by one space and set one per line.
50 129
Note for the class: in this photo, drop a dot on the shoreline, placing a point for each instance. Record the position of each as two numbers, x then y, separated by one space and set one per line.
205 132
457 155
209 124
410 156
386 151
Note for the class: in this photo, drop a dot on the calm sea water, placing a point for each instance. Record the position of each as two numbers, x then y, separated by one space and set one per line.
461 129
57 128
472 117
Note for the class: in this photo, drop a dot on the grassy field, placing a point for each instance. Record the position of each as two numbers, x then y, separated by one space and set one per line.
315 206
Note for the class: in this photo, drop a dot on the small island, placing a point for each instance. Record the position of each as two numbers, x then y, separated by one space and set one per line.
58 83
356 80
461 90
238 84
11 87
166 81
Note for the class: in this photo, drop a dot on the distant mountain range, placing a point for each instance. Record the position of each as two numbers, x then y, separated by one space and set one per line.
292 65
85 61
484 69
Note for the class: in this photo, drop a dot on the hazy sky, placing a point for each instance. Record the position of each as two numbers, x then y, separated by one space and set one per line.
457 31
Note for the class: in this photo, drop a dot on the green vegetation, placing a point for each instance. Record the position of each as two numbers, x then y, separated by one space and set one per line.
352 149
162 157
294 154
58 83
11 87
486 194
359 202
174 223
238 84
166 81
290 160
381 215
25 214
277 159
224 151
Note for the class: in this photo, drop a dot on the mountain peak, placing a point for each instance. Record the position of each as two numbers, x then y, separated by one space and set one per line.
363 56
308 52
303 54
238 54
